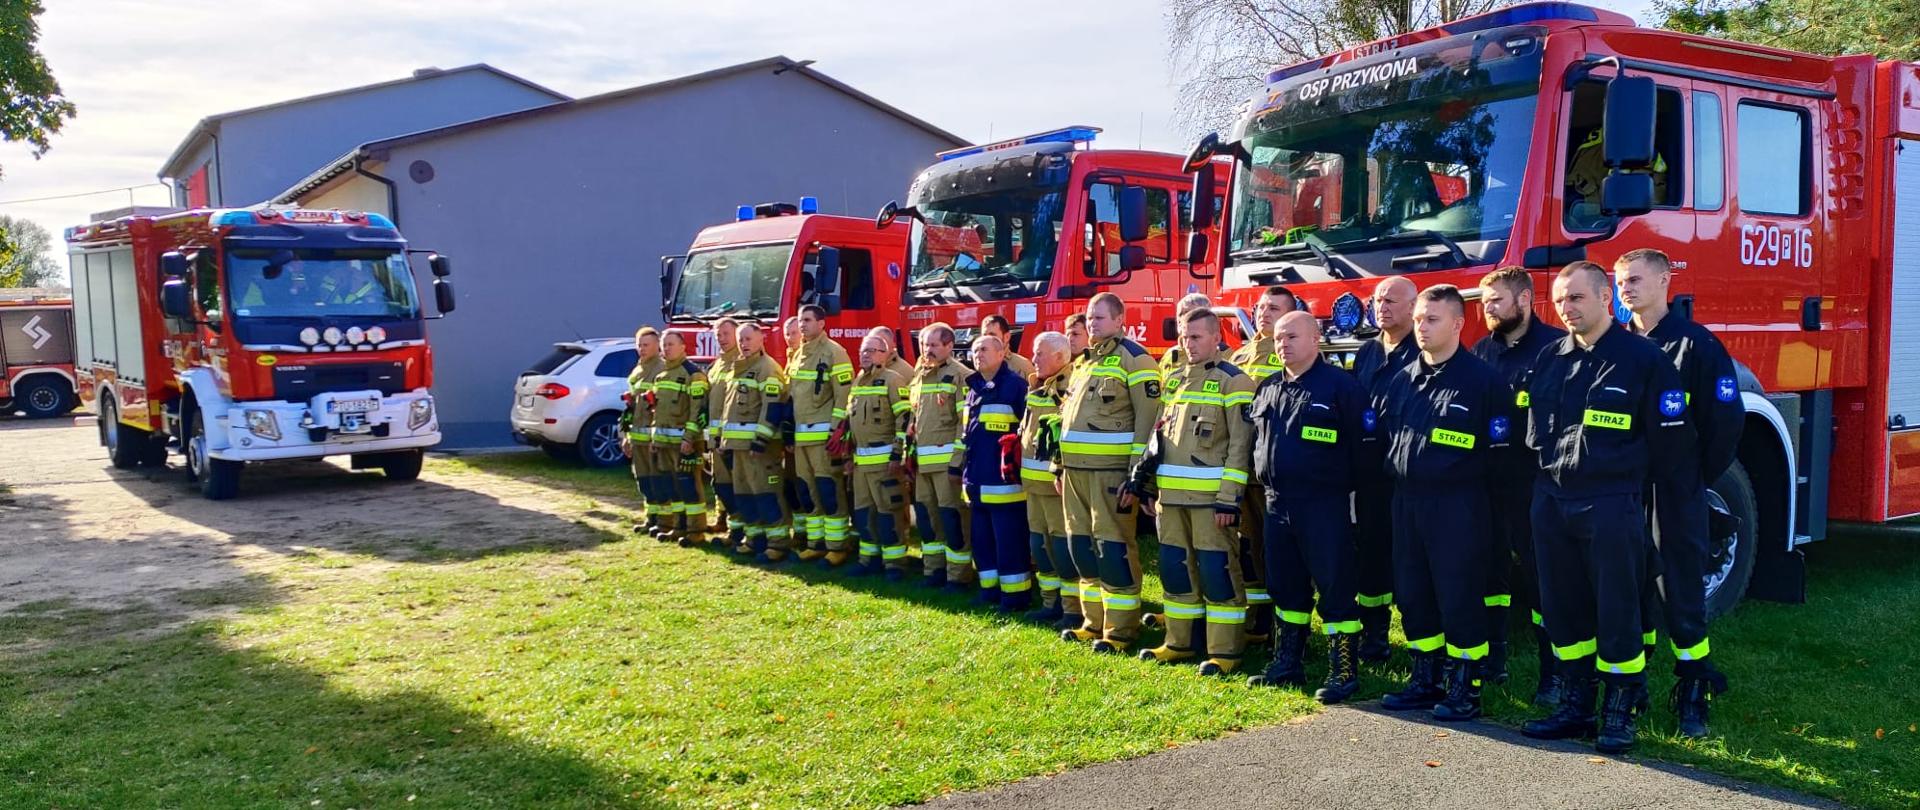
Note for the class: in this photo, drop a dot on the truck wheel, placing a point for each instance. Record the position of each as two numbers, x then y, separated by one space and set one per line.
219 479
43 398
402 466
599 444
126 445
1732 545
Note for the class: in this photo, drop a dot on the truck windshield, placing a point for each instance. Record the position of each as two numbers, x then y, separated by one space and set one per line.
306 282
995 237
1430 140
745 280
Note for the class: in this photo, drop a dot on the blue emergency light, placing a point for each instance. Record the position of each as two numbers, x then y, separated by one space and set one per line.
809 205
743 213
1348 312
1079 133
1522 14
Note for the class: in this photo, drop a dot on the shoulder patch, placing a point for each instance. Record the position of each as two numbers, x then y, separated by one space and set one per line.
1229 369
1131 347
1726 389
689 366
1673 403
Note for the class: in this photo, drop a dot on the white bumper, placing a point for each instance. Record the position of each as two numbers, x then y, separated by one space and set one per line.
311 430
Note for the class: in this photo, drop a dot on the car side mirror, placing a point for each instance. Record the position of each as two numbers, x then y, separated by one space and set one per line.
1133 214
173 264
1627 128
443 295
440 265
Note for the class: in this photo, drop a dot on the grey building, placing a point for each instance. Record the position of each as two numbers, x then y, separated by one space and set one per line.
243 157
556 217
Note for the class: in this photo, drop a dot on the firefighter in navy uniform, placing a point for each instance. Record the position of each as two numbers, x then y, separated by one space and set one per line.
1312 423
1679 502
1259 358
877 416
1194 472
996 400
1113 399
1512 346
996 326
1606 412
1377 362
1046 523
1445 419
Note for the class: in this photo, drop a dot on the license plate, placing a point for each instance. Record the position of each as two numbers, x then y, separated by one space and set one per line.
526 401
352 405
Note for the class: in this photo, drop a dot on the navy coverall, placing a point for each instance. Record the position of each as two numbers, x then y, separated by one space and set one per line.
1374 366
1307 450
994 408
1513 472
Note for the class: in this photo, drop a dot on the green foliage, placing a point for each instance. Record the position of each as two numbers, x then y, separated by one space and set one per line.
34 109
1889 29
26 254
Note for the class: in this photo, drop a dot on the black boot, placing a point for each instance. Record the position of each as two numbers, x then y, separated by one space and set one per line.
1374 624
1044 615
1069 621
1572 716
1496 662
1423 688
1690 699
1546 694
935 579
1462 701
1617 710
1343 669
1289 659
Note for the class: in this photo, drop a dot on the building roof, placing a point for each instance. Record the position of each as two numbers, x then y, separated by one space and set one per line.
211 123
779 64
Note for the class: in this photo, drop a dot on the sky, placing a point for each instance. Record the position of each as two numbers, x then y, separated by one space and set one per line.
142 73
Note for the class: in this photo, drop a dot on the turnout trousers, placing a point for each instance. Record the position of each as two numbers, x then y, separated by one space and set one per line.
825 486
876 515
1000 543
1100 539
1200 571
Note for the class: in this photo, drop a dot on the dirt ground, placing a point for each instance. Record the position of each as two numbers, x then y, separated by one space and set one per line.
77 533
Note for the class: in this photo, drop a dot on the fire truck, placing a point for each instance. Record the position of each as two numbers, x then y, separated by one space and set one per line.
237 336
775 258
36 353
1785 186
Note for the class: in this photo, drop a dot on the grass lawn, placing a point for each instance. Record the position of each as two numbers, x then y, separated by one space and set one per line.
633 673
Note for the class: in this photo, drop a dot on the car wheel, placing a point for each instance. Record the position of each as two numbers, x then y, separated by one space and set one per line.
599 444
404 465
1732 543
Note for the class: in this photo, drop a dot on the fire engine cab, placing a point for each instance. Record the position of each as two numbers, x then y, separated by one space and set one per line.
238 336
1785 187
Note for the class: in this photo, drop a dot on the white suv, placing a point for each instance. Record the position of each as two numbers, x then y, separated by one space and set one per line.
568 403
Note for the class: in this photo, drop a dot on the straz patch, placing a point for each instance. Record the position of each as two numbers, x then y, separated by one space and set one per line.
1608 420
1452 438
1673 403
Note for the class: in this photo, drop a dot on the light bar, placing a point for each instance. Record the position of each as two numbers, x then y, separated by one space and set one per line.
1073 134
1522 14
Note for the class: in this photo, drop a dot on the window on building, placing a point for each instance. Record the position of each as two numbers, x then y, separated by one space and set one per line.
1775 159
1709 153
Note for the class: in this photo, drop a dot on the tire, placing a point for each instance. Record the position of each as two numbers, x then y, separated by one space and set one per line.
127 446
561 452
599 444
402 466
43 398
1730 565
218 479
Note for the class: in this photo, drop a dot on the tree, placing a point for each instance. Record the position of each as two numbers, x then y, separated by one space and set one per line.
35 109
1221 50
1889 29
26 255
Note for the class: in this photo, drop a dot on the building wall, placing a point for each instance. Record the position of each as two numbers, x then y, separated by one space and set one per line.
351 193
265 153
556 224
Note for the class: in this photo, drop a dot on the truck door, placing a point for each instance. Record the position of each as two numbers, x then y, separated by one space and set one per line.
1903 361
1146 290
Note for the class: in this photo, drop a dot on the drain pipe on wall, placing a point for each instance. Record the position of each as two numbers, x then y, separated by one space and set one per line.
393 192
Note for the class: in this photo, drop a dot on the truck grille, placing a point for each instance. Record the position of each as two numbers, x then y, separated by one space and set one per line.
298 383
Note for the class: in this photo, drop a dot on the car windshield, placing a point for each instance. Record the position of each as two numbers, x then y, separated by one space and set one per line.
1005 236
308 282
1430 140
725 280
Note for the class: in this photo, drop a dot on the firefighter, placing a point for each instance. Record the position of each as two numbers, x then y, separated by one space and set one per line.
1514 342
1046 523
995 326
906 371
794 497
1445 419
877 417
1310 423
750 435
725 337
996 401
1259 358
1196 468
639 430
895 363
1175 358
821 378
1077 339
679 424
1113 398
1679 501
1606 411
939 452
1587 167
1377 361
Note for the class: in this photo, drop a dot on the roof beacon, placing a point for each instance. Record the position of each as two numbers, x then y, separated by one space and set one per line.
1073 134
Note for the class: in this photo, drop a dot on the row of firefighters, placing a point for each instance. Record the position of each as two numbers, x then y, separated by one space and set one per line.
1566 470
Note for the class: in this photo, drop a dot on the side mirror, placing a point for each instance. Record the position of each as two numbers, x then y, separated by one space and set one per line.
669 282
440 265
1133 214
1197 247
1132 257
1203 199
1627 128
831 303
888 213
175 299
1626 194
443 295
173 264
826 272
1203 151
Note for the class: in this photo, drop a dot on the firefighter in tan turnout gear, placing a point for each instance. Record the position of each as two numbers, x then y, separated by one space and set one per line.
938 456
725 335
1194 472
638 418
877 417
679 420
821 377
750 436
1046 523
1113 398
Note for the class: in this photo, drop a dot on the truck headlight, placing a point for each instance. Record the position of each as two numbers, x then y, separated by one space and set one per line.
419 413
262 424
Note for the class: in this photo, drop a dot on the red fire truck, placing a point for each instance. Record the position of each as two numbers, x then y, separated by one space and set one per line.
255 335
1785 186
36 353
775 258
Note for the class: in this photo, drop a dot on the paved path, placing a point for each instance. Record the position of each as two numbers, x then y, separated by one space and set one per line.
1364 759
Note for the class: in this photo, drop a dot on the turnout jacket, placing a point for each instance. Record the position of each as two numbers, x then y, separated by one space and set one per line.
939 415
1113 398
821 376
877 415
1203 446
750 409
